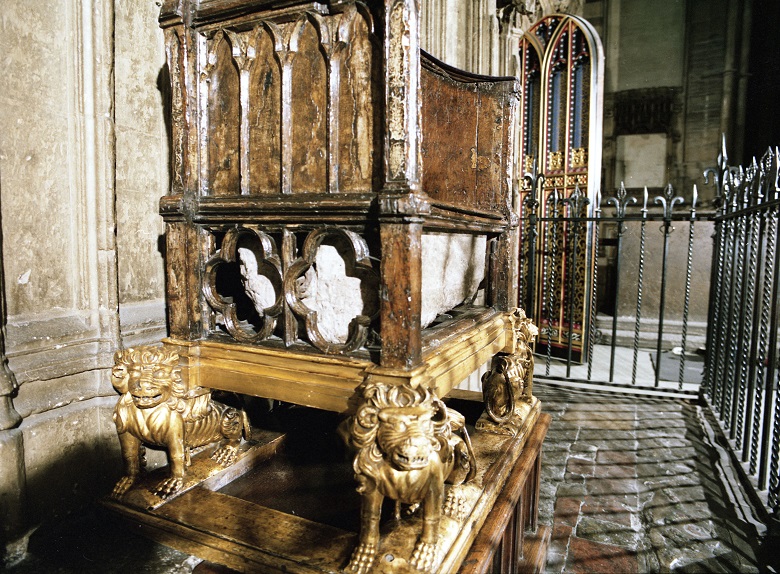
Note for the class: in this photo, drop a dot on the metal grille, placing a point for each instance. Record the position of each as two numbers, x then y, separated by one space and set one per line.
741 376
624 329
650 248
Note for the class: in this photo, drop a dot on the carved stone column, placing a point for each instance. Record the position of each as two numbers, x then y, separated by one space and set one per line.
462 34
12 471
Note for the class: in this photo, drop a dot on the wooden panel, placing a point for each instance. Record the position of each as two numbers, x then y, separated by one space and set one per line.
265 101
248 537
466 136
224 121
535 548
490 161
274 532
309 112
488 541
301 378
449 139
356 108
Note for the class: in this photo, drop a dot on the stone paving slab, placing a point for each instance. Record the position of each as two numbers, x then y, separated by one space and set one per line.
628 486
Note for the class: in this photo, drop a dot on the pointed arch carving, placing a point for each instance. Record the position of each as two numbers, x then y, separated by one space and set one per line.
224 117
265 111
308 75
353 59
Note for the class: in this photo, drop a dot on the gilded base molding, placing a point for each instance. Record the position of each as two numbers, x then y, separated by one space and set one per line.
523 409
328 382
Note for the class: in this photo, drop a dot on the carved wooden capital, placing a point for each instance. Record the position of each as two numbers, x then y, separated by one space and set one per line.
409 203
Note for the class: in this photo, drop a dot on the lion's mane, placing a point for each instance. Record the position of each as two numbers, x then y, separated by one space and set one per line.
192 405
365 425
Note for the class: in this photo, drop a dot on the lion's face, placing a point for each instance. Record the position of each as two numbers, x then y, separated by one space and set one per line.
151 375
406 437
149 384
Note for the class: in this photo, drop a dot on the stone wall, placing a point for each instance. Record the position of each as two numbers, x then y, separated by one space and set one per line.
142 169
83 163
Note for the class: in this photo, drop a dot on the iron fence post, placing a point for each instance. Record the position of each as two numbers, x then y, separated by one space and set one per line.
668 200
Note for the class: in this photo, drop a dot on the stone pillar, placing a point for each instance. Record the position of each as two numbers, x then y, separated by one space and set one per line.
12 470
462 34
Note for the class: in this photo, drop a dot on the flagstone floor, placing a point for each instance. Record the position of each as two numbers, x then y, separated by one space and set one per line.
638 484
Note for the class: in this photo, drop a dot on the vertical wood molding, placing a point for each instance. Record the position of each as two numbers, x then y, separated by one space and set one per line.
402 123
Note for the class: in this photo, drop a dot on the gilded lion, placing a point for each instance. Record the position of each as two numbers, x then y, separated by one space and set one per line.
156 409
511 377
406 450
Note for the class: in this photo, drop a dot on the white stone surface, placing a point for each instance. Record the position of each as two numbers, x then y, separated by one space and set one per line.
336 297
257 286
453 266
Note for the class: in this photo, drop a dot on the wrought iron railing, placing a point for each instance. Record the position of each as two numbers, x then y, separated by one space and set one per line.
620 328
741 376
725 262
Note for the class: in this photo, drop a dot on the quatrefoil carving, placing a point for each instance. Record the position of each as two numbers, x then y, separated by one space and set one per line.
260 270
326 296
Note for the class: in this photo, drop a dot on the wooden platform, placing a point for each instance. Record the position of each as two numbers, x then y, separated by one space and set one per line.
289 505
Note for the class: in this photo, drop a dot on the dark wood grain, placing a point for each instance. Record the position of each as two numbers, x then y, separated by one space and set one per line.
496 533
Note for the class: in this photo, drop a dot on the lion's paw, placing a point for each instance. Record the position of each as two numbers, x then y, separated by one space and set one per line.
168 487
225 455
424 556
455 506
362 558
122 486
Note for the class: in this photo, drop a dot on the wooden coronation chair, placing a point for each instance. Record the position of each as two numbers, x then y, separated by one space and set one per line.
341 225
